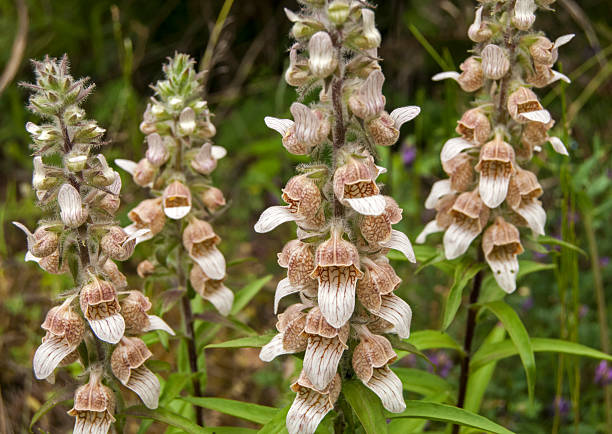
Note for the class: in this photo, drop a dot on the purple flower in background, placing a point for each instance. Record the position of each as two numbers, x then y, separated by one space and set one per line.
562 404
527 304
408 155
603 374
604 261
583 311
443 364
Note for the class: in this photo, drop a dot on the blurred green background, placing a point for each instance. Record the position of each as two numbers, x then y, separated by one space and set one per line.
121 46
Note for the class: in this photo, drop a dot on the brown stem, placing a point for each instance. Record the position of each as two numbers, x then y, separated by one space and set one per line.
339 132
189 334
470 328
510 45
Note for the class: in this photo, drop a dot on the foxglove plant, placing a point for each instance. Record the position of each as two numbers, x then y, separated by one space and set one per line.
177 168
338 264
487 191
94 323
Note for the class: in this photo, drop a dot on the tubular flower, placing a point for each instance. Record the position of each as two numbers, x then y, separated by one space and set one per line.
488 191
337 263
79 235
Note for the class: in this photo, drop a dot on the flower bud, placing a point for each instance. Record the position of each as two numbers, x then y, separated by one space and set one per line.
145 268
157 152
474 126
147 126
72 212
127 363
100 306
40 179
478 30
213 198
322 55
370 36
524 17
111 271
144 173
368 101
94 406
186 123
117 245
176 200
338 11
75 160
297 74
495 63
149 214
204 162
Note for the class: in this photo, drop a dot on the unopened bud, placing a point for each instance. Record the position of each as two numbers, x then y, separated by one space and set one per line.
157 153
338 11
370 36
524 16
186 123
322 56
72 212
213 198
75 161
495 63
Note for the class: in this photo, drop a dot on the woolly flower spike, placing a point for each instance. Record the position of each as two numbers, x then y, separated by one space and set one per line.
337 271
134 310
355 185
65 330
94 405
370 362
311 405
101 308
469 216
304 201
127 364
496 165
501 244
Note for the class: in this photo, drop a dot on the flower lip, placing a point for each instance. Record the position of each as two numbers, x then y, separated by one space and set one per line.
176 200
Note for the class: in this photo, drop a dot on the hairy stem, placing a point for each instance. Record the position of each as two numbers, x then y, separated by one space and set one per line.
470 328
339 129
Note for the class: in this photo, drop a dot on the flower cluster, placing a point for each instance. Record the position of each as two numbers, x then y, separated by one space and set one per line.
179 160
487 191
79 235
338 262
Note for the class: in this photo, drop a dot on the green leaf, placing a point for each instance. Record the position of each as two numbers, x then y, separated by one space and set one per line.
367 406
248 342
513 324
428 339
464 273
57 398
243 410
448 414
405 347
169 418
173 386
245 295
277 425
479 381
421 382
491 353
543 239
